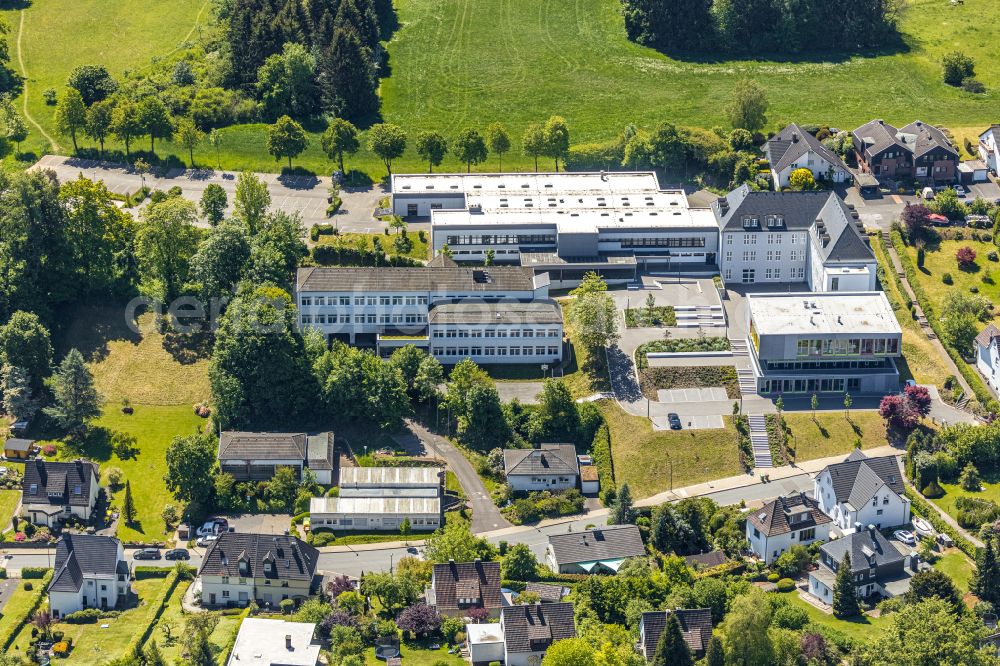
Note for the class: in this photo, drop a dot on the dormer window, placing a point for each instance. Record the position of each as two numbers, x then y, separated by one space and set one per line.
77 489
750 222
33 488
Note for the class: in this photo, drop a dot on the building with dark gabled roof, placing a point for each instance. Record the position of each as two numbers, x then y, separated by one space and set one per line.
794 148
458 587
598 550
549 467
878 567
530 630
90 572
52 491
254 456
917 151
265 568
784 522
793 237
18 448
863 490
696 627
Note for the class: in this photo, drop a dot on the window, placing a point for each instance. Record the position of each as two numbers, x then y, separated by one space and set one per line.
345 300
749 275
383 300
756 533
225 594
729 239
307 300
879 512
359 300
806 535
397 300
885 500
729 255
321 300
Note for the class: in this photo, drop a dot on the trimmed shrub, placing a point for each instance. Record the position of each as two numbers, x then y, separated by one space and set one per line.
786 585
932 490
947 279
773 578
600 450
85 616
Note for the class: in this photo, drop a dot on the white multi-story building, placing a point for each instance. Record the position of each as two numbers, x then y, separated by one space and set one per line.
793 237
90 572
808 343
52 492
863 490
784 522
240 567
496 314
988 355
793 148
564 224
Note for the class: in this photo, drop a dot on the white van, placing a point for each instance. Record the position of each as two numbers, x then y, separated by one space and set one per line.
927 194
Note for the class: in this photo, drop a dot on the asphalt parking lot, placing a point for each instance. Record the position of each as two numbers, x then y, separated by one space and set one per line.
264 523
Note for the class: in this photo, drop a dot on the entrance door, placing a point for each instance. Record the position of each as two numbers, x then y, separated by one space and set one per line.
411 210
211 598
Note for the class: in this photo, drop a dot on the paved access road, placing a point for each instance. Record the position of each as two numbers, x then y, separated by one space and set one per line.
18 559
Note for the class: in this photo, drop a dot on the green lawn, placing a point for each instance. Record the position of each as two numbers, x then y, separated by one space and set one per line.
174 616
958 566
941 259
417 654
418 251
861 629
831 433
921 361
9 499
952 491
642 456
93 645
20 602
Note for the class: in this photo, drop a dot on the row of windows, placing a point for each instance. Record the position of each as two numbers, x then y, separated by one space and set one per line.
498 333
874 364
501 239
364 319
772 239
661 242
749 275
363 300
771 221
829 385
495 351
846 347
772 255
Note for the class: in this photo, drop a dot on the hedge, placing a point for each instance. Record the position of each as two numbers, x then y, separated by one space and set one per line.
983 394
34 573
39 592
921 506
134 648
231 643
600 450
144 572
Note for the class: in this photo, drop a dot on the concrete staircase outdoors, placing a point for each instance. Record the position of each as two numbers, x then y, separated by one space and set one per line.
703 316
759 441
748 383
738 347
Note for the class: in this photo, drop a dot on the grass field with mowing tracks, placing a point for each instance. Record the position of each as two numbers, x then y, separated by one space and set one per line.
455 63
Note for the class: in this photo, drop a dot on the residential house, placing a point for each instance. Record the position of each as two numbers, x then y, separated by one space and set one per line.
863 490
989 147
917 151
254 456
90 572
547 593
809 238
381 498
794 148
548 467
988 355
458 587
492 315
877 566
707 560
17 448
261 642
240 567
529 631
696 627
816 343
784 522
597 550
51 492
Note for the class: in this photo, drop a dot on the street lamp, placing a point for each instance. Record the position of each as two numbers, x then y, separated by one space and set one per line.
670 460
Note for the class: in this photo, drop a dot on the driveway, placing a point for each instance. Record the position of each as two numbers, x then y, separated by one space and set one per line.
485 515
302 194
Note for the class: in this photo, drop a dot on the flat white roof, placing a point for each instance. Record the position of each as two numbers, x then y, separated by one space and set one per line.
262 642
822 313
568 201
389 476
484 633
375 505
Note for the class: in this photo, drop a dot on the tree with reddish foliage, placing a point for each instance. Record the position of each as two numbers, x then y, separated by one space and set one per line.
337 618
966 257
899 413
478 615
919 398
338 585
815 649
419 619
916 218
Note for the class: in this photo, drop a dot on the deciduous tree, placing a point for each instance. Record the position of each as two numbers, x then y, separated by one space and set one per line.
71 115
155 120
126 123
339 138
166 239
25 344
498 141
251 201
190 467
432 147
470 147
748 107
556 134
93 82
388 142
593 314
213 203
533 142
286 138
189 136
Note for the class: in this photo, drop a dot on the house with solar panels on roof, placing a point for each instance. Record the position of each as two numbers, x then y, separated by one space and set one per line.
863 491
784 522
254 456
793 148
90 572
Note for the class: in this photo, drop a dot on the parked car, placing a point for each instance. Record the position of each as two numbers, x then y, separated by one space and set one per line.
207 539
177 554
147 554
213 526
927 194
906 537
960 191
674 421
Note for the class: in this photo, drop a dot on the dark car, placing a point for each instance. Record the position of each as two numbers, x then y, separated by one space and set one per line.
674 421
147 554
177 554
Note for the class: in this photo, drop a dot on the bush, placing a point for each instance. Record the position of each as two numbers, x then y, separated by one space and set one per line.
790 617
49 450
322 538
965 256
956 67
33 573
993 256
50 96
973 85
947 279
85 616
932 490
287 606
773 577
786 585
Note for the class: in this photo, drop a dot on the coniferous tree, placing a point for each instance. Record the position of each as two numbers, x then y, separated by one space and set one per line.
715 655
845 595
671 650
622 510
345 77
128 505
76 399
152 656
201 651
986 579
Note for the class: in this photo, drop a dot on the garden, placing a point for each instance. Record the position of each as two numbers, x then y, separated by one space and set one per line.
701 343
652 380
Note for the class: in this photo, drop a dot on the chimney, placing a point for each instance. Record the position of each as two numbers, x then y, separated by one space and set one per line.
872 530
880 121
795 137
857 527
288 641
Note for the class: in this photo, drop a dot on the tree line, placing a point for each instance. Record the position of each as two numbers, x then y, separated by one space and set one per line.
738 27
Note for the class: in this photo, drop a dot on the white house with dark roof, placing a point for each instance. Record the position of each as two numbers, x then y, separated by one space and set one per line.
793 148
458 587
863 490
597 550
254 456
529 631
549 467
239 568
989 147
814 238
90 572
53 491
783 522
696 627
988 355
